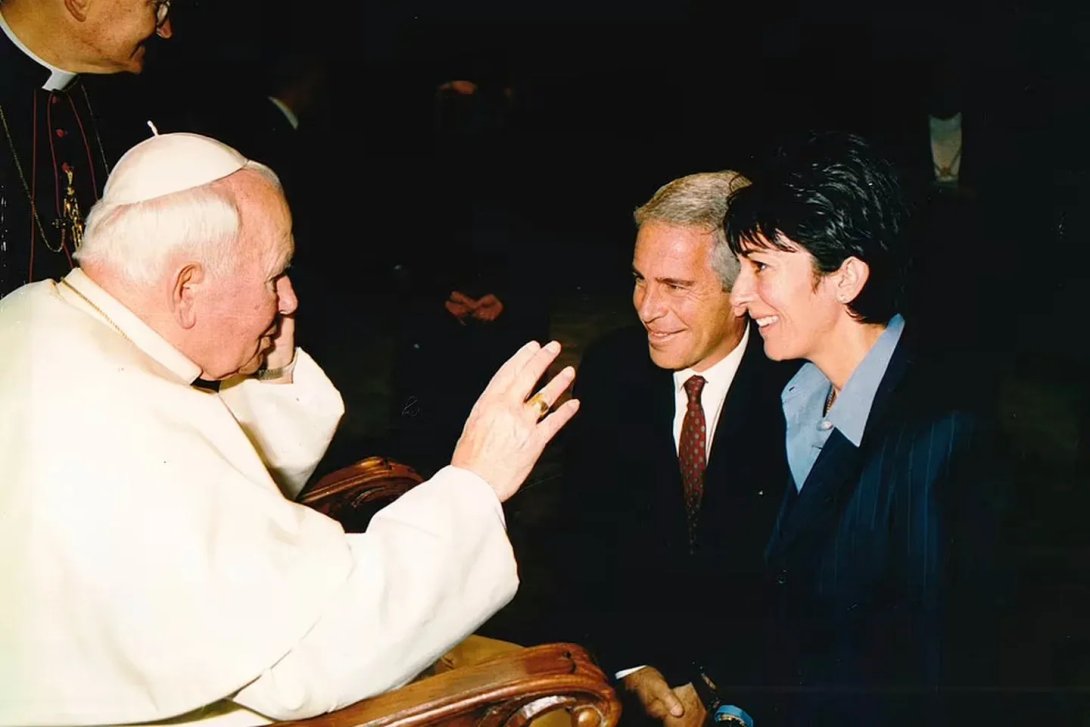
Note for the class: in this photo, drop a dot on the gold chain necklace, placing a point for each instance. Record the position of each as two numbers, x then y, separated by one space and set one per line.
829 399
72 213
102 313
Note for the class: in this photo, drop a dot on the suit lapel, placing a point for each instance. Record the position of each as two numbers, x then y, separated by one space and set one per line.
835 475
815 509
667 474
662 415
732 418
882 410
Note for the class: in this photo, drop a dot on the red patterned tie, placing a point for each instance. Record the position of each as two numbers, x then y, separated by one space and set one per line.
691 453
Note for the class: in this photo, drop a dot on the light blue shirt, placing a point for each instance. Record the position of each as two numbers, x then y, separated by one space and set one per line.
804 399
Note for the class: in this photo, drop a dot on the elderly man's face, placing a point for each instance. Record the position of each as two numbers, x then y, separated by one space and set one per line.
242 315
115 34
679 298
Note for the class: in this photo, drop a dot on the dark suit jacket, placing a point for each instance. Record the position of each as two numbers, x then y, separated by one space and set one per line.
883 568
646 599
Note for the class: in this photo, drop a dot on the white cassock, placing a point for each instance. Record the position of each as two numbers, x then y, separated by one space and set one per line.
152 564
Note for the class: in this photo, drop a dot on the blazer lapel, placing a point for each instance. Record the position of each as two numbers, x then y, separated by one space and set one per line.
833 479
667 475
662 416
732 418
829 485
882 409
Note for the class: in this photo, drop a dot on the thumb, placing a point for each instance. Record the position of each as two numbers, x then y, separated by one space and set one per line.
672 703
661 691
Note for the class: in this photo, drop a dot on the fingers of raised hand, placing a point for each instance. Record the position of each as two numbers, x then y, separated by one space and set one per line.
547 428
507 373
540 403
520 372
532 368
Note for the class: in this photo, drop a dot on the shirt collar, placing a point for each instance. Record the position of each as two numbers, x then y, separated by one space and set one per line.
129 325
852 407
721 372
59 79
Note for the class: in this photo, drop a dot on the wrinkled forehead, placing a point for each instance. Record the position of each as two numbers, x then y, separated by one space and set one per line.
266 219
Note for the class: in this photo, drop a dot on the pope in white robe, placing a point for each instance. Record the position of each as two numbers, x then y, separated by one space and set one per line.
153 563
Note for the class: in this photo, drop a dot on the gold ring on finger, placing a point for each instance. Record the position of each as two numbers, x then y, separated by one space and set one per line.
538 402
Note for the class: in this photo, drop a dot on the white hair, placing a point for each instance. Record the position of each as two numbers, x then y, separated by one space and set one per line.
138 240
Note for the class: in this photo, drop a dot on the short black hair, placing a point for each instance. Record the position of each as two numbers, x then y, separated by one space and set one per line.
832 195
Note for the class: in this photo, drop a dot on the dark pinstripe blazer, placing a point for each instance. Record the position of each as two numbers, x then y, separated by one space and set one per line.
883 568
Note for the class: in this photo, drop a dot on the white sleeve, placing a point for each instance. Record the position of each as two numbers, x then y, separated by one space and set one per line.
625 672
290 425
431 568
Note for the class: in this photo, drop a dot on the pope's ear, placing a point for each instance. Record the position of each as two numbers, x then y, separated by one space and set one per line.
77 8
186 287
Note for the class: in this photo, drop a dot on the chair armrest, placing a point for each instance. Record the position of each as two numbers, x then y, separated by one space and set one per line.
509 690
352 494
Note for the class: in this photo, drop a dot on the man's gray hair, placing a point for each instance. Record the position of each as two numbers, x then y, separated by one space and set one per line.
138 240
698 200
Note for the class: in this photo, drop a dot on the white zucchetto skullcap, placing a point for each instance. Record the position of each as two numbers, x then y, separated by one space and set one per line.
169 163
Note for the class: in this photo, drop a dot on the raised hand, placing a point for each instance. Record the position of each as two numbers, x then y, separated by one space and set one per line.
505 434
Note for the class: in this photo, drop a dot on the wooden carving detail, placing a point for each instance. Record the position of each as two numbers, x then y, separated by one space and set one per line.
510 690
352 494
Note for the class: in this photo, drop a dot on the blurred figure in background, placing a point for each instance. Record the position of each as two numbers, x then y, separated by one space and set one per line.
469 288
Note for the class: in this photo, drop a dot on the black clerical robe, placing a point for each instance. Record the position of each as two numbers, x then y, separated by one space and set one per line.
52 163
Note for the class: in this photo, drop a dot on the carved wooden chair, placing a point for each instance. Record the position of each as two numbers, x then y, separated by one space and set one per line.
508 690
352 494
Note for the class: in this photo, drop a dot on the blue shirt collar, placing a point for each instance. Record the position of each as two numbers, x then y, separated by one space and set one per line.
851 409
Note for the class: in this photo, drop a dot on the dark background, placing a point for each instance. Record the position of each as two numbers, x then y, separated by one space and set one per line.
615 98
619 96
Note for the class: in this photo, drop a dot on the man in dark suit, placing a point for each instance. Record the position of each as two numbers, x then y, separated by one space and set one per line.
883 558
673 515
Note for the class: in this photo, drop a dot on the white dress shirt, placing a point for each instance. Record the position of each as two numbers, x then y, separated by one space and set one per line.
718 379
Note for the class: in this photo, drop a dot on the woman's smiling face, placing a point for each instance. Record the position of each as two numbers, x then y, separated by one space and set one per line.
794 306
